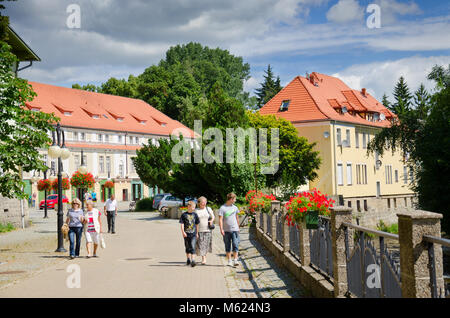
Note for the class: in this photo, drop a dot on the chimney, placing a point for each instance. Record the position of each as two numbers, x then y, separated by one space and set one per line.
363 91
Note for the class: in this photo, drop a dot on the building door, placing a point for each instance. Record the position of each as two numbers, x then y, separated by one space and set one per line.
378 189
125 194
136 191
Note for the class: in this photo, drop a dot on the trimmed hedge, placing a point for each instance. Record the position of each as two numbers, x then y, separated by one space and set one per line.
145 204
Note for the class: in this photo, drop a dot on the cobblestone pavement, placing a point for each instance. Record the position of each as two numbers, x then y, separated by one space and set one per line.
257 276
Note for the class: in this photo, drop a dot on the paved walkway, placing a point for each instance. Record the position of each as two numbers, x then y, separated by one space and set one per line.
144 259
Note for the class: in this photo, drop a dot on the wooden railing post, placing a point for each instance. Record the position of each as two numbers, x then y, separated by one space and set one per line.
274 208
339 215
415 267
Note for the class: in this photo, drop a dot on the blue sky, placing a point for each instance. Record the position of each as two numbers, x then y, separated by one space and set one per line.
118 38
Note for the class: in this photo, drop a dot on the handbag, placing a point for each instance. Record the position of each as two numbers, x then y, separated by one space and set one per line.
102 241
210 226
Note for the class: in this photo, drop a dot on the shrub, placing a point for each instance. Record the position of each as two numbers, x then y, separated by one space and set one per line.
6 227
145 204
393 228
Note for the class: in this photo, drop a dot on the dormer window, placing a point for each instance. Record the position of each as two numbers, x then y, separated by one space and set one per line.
143 122
95 116
67 113
285 105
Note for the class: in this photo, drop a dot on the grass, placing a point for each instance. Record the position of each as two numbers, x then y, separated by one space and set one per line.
6 227
393 228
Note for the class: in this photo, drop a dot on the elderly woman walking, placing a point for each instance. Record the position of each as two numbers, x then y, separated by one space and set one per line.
75 222
204 242
93 228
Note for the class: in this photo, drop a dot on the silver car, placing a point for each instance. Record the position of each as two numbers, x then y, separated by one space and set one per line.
169 201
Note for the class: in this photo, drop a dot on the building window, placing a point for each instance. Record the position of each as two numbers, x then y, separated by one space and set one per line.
108 164
284 105
77 161
347 132
338 136
361 174
395 203
106 138
82 136
405 175
75 136
406 202
100 137
349 204
396 176
349 174
121 170
340 177
132 167
365 205
364 141
388 203
101 163
358 205
53 165
388 174
85 160
119 139
357 139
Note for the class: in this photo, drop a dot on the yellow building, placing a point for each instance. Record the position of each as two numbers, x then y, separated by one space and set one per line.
342 121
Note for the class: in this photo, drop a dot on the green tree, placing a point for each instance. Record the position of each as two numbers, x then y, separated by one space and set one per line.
402 97
385 101
422 101
22 131
298 161
269 88
423 133
88 87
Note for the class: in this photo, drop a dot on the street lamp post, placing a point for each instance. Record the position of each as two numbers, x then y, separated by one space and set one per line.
45 197
82 169
58 150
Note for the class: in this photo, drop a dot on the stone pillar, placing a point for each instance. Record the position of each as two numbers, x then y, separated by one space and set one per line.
415 266
275 208
305 252
339 215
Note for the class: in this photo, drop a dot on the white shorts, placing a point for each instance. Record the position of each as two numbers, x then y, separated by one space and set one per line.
92 237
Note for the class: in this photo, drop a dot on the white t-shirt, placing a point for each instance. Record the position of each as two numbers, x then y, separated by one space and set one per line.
111 205
229 212
204 215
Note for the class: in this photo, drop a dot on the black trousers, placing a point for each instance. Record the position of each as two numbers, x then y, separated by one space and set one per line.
111 217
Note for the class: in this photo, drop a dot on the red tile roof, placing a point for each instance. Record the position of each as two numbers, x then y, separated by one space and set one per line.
318 99
83 105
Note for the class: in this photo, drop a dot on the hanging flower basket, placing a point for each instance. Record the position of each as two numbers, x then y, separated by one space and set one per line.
82 181
109 184
305 208
259 201
44 185
65 184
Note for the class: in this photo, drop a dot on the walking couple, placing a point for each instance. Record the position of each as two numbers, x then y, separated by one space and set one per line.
197 224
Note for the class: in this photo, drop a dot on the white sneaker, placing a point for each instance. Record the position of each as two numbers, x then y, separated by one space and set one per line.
230 263
236 262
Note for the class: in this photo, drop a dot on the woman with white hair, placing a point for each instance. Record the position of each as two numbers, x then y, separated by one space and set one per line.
93 228
75 222
204 241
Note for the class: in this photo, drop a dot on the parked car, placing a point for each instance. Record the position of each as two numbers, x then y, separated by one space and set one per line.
169 201
158 198
52 199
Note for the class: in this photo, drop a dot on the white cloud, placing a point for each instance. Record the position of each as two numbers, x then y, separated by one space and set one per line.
345 11
381 77
391 9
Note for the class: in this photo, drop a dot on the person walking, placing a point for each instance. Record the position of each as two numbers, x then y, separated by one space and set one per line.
206 217
229 228
75 219
110 209
93 228
189 229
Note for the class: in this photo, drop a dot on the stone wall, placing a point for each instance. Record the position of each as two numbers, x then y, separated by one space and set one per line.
370 210
10 212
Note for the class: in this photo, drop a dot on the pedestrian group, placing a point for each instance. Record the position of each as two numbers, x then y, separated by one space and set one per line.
197 225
